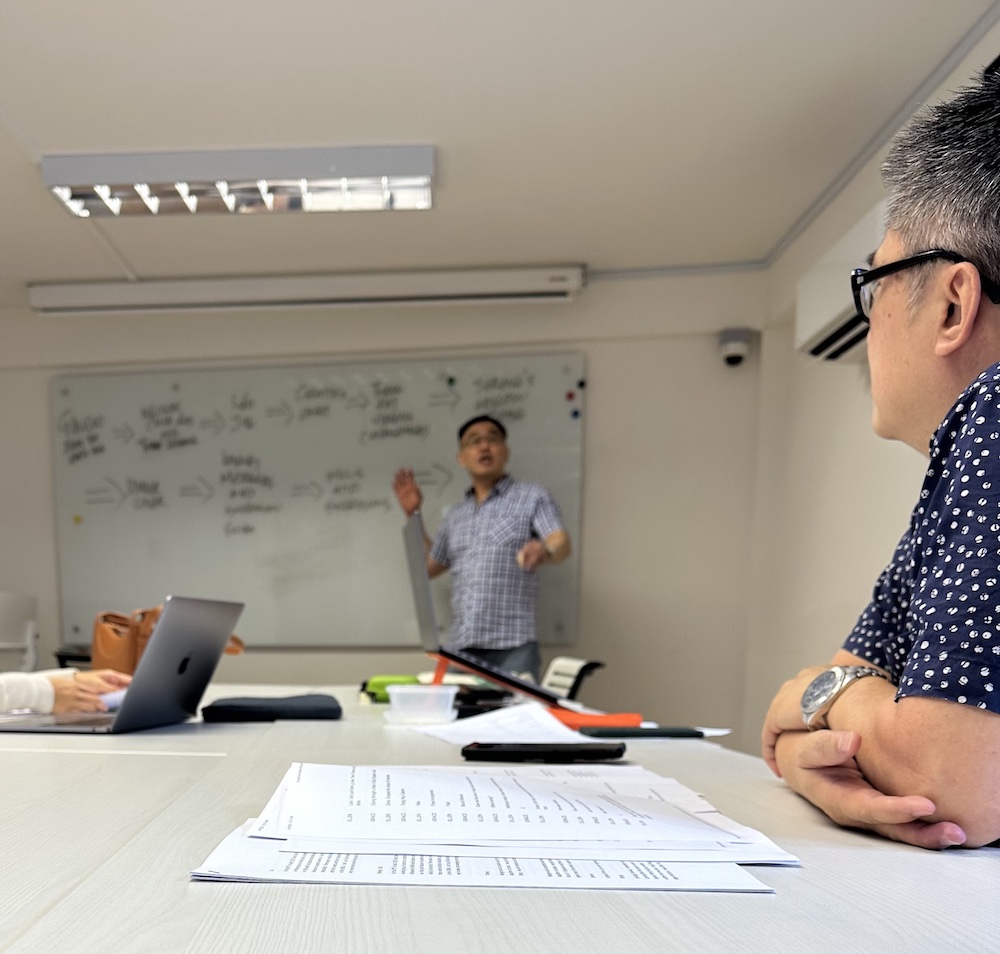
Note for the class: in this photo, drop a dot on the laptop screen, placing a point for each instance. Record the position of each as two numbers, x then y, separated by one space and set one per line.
502 678
423 600
430 635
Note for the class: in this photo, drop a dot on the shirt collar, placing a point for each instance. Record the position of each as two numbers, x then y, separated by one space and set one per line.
940 437
500 487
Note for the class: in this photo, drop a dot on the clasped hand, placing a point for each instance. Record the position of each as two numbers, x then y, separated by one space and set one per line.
821 766
785 713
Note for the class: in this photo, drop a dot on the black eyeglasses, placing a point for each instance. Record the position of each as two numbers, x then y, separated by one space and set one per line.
864 279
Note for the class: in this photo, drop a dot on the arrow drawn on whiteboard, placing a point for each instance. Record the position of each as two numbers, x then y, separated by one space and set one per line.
215 424
359 400
437 476
447 399
124 433
110 492
312 489
284 409
201 489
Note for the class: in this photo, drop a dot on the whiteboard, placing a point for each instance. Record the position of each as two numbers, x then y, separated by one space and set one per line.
272 486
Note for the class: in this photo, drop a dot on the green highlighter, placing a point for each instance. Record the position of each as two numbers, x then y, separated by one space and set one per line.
377 687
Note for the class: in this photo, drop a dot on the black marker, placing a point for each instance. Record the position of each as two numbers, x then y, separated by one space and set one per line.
642 732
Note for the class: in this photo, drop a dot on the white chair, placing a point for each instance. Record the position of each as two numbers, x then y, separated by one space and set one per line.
565 674
18 631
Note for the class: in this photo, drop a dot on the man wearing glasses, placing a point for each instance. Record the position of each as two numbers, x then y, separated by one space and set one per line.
900 734
493 542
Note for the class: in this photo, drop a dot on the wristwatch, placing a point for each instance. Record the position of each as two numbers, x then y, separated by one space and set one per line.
821 693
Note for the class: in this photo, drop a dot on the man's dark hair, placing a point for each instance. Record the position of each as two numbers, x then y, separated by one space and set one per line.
943 177
482 419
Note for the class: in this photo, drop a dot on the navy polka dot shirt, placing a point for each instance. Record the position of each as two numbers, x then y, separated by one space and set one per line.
934 619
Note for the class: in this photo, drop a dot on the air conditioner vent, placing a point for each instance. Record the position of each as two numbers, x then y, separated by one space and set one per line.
846 333
470 286
827 325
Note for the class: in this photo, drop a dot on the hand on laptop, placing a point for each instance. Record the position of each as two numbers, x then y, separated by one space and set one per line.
83 692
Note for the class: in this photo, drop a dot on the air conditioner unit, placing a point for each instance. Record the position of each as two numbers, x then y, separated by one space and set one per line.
826 323
469 286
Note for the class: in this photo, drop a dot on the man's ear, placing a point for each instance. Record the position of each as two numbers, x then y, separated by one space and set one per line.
962 296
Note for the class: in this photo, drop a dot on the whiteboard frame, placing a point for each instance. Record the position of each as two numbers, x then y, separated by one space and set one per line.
75 628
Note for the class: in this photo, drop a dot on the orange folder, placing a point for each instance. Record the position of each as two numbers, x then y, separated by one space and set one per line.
614 720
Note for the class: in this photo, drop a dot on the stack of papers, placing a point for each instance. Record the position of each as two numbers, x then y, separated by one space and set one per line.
615 827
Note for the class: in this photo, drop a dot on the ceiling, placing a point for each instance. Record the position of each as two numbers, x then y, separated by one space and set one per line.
628 135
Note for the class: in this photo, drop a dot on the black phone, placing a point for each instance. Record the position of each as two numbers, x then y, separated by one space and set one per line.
543 751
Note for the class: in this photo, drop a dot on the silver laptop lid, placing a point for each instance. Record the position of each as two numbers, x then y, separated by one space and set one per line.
179 661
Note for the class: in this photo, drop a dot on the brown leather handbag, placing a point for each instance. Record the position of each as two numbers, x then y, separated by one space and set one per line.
119 641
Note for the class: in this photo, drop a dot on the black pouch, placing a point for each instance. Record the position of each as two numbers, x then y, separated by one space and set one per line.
256 709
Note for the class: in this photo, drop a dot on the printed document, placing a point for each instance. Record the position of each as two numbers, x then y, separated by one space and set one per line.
240 858
582 826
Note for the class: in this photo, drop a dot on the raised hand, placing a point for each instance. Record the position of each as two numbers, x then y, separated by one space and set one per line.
407 491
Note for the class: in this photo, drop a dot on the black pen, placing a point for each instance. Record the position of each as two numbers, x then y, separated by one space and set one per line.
642 732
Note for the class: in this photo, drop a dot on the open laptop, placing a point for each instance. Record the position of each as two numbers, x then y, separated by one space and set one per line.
423 599
430 634
177 665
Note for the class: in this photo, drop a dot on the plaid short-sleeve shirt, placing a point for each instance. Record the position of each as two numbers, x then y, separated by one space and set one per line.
492 599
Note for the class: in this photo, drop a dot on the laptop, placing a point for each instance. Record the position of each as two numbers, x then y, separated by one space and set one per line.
176 667
423 600
416 562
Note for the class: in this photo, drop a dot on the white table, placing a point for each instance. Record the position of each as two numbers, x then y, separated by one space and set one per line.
99 834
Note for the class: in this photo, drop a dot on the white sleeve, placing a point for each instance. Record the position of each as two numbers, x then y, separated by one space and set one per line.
26 690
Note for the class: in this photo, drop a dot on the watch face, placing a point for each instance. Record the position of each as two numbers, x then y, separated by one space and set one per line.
817 691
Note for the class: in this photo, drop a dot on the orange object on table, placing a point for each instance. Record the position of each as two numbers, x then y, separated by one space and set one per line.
615 720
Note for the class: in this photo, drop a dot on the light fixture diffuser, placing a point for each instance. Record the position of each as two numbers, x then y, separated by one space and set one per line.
341 179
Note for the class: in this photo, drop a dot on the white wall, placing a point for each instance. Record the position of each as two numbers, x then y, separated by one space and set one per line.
669 457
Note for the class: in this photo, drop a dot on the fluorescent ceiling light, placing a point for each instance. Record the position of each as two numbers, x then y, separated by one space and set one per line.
344 179
432 287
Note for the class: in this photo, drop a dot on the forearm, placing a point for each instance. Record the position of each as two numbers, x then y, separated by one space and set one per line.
26 690
942 750
557 546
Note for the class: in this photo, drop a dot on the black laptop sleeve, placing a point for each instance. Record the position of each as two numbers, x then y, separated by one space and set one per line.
255 709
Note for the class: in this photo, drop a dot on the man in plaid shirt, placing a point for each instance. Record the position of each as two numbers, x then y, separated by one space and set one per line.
493 542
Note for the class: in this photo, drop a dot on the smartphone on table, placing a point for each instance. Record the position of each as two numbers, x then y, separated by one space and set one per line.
543 751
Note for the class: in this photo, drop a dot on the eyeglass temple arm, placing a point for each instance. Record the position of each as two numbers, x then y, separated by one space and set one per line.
991 288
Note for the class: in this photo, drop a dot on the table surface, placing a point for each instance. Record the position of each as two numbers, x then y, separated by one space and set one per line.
99 835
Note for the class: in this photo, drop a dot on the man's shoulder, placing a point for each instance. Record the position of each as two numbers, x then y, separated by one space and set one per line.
523 492
526 487
984 389
972 418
